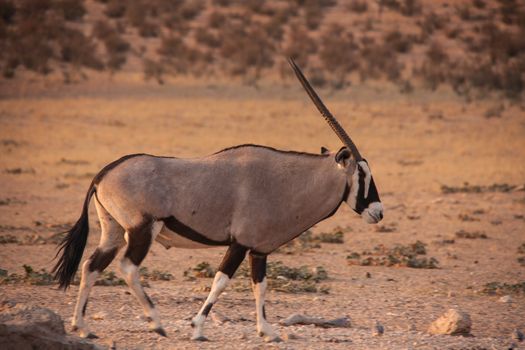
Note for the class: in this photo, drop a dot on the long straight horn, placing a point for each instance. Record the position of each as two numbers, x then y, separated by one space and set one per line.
334 124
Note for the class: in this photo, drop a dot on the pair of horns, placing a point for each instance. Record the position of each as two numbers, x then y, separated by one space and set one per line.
334 124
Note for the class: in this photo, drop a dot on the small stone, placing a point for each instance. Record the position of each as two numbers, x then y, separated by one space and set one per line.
451 294
243 336
517 335
368 275
99 316
218 318
505 299
286 336
453 322
379 329
272 339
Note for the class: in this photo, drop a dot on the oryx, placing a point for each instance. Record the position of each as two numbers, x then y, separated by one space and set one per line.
250 198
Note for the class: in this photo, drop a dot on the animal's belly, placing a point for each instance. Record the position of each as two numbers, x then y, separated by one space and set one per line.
169 239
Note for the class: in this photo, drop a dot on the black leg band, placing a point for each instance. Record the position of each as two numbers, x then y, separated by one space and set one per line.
258 267
232 259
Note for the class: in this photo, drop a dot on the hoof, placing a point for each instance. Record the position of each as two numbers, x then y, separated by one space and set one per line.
199 338
160 331
91 336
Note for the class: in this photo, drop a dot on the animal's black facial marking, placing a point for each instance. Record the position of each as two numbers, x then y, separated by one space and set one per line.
363 202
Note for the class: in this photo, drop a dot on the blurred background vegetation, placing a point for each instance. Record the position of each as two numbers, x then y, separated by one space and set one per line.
472 46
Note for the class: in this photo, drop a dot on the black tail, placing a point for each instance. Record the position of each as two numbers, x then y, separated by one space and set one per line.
72 246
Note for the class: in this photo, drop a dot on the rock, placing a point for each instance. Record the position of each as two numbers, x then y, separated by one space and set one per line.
272 339
286 336
31 327
505 299
453 322
343 322
379 329
517 335
99 315
218 318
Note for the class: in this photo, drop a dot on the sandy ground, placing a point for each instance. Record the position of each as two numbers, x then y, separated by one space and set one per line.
414 144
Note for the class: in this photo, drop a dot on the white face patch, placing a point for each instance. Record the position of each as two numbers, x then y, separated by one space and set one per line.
368 176
354 190
374 213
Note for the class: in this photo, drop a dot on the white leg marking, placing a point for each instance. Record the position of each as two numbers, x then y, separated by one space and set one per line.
86 283
263 327
131 275
220 282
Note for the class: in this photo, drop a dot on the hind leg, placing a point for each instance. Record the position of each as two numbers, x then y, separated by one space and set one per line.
139 240
111 240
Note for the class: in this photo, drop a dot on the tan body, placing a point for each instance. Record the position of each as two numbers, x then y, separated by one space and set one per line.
235 195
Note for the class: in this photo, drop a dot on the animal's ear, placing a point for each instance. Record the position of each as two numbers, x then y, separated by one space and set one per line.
343 156
324 150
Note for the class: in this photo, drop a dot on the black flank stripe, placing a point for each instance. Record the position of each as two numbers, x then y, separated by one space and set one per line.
187 232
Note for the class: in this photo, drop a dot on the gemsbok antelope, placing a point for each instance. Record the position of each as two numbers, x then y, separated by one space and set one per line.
250 198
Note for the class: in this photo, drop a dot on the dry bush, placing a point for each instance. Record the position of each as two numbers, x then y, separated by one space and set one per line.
246 47
7 12
176 23
153 70
180 58
411 8
205 37
259 7
480 4
510 11
149 29
274 29
300 45
115 8
222 3
379 60
393 5
191 9
78 50
313 14
434 68
398 41
502 45
358 6
463 12
116 46
216 19
339 53
72 10
431 23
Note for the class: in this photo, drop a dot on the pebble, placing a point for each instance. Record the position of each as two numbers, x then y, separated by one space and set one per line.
379 329
286 336
505 299
99 315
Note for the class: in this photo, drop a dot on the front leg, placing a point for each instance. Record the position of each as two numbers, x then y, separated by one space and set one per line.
259 284
231 261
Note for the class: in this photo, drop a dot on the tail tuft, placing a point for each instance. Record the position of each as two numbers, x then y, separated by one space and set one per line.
72 246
